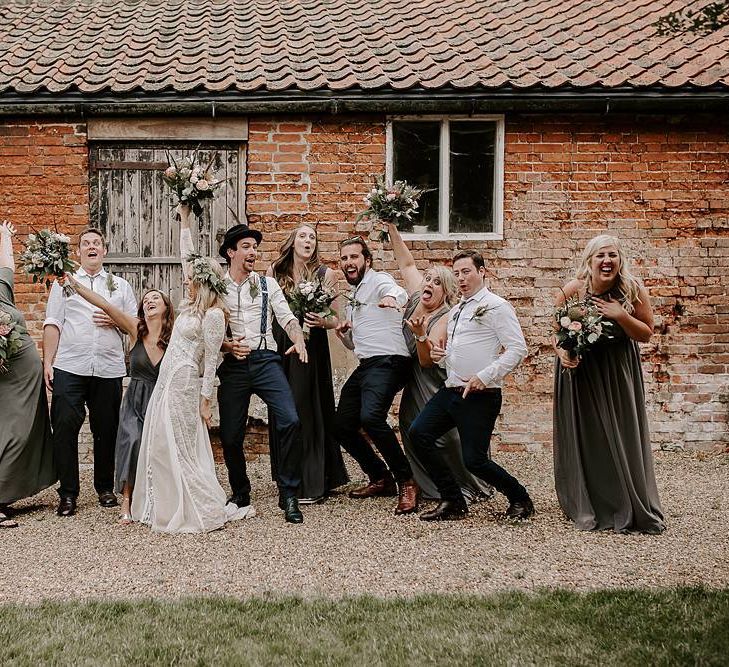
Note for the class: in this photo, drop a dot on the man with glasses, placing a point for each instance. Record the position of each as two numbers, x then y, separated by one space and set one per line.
373 330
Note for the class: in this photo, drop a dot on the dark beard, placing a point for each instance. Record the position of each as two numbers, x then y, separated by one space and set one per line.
358 279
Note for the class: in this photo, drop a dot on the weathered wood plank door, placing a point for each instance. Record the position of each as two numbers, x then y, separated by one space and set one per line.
132 205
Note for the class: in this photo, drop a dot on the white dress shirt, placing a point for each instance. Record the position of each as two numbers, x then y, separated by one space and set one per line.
245 312
86 348
478 329
377 331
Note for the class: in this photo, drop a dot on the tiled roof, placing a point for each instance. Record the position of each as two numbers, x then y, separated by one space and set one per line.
247 46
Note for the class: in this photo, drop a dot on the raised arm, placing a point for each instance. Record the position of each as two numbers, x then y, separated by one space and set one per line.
7 261
126 322
411 275
186 244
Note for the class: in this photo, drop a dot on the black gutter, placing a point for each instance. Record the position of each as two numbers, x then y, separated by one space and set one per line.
383 102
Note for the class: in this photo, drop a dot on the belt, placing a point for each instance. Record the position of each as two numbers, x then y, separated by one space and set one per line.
488 390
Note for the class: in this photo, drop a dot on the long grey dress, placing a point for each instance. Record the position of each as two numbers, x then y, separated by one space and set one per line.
423 385
26 447
603 464
131 418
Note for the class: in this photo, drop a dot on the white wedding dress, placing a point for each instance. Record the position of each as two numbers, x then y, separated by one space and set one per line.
176 489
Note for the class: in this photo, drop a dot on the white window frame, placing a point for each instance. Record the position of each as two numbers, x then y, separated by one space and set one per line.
444 176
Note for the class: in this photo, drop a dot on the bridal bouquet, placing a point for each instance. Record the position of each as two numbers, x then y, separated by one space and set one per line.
46 256
10 340
579 325
190 181
310 296
389 204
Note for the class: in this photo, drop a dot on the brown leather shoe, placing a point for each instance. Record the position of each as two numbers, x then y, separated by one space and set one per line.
407 501
381 487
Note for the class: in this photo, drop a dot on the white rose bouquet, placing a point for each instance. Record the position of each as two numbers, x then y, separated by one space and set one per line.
311 296
579 325
10 340
46 256
190 181
394 204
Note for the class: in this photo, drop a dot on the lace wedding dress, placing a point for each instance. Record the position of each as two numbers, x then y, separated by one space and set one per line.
176 488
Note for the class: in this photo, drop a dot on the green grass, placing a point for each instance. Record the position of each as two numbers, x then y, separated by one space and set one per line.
668 627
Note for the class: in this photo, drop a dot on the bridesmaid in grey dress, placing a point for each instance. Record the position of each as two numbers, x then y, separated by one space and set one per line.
26 448
603 463
431 294
149 335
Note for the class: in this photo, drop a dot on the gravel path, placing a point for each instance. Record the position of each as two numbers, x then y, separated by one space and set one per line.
348 547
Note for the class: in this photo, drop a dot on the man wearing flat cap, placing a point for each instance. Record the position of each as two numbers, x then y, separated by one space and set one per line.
253 366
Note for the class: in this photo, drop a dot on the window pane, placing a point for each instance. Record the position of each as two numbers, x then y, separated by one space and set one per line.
471 176
416 152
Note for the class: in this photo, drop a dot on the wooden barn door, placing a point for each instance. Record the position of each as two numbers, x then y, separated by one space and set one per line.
131 204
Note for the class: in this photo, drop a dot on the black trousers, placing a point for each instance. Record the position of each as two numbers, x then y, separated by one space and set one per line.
364 403
474 417
71 393
261 373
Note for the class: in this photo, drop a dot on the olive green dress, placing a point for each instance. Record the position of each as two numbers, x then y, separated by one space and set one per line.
26 448
603 463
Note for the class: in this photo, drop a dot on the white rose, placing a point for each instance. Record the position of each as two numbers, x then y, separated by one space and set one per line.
592 338
565 321
202 185
170 172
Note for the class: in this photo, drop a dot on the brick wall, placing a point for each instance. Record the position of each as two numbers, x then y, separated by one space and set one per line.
660 183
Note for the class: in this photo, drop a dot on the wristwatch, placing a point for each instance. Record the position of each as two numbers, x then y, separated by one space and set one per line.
421 339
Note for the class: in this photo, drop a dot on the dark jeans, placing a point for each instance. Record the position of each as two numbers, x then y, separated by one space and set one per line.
103 398
474 417
364 403
260 373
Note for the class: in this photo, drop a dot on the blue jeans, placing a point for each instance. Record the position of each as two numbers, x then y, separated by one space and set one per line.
260 373
474 417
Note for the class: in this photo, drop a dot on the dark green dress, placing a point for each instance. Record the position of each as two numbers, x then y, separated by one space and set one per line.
26 447
603 463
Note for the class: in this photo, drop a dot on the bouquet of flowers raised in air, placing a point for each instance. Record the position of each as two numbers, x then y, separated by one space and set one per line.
579 325
10 340
190 181
46 256
389 204
311 296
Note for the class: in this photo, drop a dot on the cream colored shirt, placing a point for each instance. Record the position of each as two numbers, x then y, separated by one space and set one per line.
479 328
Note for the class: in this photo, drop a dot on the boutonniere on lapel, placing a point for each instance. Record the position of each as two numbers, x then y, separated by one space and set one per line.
479 313
255 286
352 301
111 285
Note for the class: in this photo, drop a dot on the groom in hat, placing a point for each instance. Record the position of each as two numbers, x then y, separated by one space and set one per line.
253 366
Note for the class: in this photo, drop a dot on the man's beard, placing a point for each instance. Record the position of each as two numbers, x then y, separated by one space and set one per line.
358 279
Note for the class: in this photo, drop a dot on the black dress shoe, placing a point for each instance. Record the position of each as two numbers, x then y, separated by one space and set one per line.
290 506
240 501
520 510
66 506
107 499
447 510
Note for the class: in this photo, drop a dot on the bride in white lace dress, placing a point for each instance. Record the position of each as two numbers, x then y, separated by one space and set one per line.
176 488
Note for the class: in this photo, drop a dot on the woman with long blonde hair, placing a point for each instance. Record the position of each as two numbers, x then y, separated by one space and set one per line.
603 463
322 466
432 294
176 487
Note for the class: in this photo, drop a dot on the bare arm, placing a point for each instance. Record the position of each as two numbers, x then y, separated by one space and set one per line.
51 336
411 275
294 332
127 323
433 350
7 261
569 290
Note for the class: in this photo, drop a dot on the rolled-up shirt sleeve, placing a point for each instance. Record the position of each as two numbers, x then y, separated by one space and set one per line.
279 305
507 328
55 308
388 287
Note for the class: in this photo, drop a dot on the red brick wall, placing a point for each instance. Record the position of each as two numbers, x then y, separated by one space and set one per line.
660 183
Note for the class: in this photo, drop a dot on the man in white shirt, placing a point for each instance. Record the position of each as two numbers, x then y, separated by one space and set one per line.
83 364
373 329
253 366
470 342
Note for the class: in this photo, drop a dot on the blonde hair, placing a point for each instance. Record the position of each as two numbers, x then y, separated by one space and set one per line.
627 285
206 297
450 291
283 266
